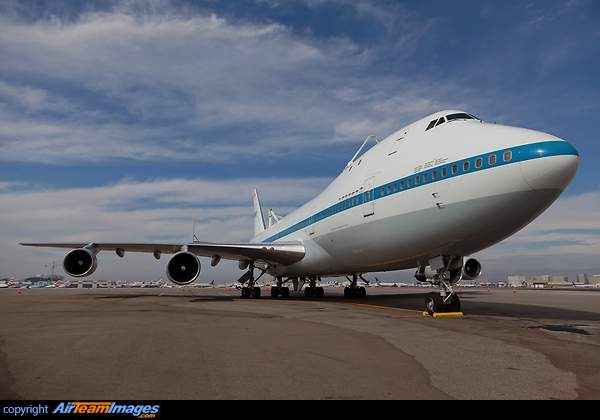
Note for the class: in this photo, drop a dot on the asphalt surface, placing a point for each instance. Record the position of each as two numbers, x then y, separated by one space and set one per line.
163 344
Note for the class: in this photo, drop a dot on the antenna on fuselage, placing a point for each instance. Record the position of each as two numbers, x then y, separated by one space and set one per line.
359 150
194 237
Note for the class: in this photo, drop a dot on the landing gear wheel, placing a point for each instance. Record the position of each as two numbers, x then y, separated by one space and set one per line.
355 292
434 303
454 304
317 292
277 291
250 292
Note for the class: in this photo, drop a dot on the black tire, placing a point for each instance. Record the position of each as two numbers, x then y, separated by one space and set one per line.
454 303
433 303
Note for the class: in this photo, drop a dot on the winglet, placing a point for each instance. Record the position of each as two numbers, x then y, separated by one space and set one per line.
259 223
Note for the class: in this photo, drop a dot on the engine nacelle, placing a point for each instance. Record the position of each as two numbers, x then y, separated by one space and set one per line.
472 269
80 262
183 268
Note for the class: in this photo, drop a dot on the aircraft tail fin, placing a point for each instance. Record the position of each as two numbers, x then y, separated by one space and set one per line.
259 223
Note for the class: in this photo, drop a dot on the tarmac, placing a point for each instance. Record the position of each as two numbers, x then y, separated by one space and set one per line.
210 344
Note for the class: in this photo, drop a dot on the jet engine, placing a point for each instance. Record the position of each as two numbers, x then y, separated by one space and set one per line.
80 262
183 268
472 269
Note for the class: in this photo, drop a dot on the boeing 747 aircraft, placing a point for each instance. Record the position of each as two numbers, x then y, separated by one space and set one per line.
426 197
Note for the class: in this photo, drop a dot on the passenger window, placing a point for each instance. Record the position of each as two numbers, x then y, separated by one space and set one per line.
492 160
425 177
478 163
507 156
389 188
395 187
401 185
408 183
434 175
382 190
417 179
444 171
454 169
466 166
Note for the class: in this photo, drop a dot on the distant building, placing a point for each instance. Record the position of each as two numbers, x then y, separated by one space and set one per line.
595 279
515 281
549 280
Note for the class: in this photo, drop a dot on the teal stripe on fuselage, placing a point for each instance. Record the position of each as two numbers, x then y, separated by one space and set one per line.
518 154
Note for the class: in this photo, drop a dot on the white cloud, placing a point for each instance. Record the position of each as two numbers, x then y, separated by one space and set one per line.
186 88
161 210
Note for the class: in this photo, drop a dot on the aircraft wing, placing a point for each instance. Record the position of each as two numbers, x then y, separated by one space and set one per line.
284 253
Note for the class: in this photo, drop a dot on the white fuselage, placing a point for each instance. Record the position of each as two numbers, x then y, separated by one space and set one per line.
453 189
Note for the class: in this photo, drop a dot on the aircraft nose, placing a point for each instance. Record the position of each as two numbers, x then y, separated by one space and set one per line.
549 167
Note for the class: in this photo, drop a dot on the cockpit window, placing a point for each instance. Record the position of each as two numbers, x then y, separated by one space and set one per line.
451 117
460 116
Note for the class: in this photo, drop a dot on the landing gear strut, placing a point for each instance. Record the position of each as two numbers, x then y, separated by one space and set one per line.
354 291
312 290
251 291
280 289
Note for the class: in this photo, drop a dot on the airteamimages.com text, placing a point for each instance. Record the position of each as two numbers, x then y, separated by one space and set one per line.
66 408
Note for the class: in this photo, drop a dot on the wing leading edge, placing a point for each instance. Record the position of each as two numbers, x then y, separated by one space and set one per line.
284 253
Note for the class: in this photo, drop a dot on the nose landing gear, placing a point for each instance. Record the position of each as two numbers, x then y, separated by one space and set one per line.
445 271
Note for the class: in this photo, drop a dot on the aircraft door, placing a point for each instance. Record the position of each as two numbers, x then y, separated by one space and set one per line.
397 143
310 229
369 197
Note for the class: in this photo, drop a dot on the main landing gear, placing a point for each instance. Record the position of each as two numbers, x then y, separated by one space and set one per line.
312 290
251 291
280 290
353 290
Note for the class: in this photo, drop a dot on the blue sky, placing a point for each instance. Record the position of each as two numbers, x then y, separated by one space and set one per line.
129 120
